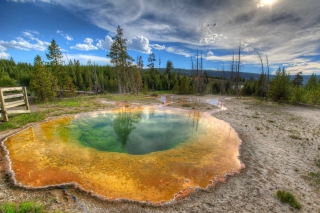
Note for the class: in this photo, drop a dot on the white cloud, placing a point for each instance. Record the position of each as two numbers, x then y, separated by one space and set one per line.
64 35
4 55
140 44
248 49
88 40
21 44
210 53
86 46
178 51
157 46
105 44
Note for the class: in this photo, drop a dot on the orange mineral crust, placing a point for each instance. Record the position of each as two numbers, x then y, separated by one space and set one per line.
45 155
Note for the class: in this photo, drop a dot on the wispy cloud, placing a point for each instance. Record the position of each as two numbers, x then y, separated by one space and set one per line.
24 1
83 58
86 46
178 51
158 47
64 35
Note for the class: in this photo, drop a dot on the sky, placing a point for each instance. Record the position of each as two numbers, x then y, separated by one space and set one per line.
286 31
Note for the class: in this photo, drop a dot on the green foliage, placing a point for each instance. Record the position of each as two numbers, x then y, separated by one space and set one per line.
298 79
297 95
14 74
280 86
42 83
184 86
261 86
54 54
145 89
312 83
25 207
151 60
18 121
287 197
249 88
169 67
5 80
121 61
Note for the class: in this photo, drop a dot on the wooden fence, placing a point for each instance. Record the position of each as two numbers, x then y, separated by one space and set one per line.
11 97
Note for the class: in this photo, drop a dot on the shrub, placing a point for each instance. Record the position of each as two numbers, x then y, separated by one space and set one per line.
287 197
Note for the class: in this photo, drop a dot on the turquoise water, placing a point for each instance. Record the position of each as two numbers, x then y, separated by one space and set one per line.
135 133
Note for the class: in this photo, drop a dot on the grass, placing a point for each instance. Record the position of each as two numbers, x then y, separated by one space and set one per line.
314 177
69 103
18 121
25 207
296 137
186 105
287 197
126 97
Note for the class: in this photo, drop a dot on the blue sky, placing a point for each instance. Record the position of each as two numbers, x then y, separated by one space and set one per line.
288 31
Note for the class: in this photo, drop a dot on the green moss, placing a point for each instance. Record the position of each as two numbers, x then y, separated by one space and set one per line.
25 207
287 197
18 121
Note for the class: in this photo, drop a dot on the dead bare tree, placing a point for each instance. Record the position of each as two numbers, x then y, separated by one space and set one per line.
237 78
262 80
268 80
232 66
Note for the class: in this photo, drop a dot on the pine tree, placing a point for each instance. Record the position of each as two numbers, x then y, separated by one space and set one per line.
184 86
54 55
78 74
151 60
5 80
42 83
120 60
313 90
280 86
298 79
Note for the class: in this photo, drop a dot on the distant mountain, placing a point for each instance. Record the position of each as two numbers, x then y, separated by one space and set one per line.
246 75
214 73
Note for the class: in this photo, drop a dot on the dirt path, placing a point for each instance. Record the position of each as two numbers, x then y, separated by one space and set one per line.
280 145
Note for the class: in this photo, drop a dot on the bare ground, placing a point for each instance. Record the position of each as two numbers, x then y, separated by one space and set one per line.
280 145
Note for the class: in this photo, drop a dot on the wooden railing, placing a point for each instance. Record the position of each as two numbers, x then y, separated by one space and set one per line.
11 97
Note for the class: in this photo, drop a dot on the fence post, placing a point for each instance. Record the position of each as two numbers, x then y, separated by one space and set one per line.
3 107
25 95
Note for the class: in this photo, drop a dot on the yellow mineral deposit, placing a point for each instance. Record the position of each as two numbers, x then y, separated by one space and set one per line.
42 155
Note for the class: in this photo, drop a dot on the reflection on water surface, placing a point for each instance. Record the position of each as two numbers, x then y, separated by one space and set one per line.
138 154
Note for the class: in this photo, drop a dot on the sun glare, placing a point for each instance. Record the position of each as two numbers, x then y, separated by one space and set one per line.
267 2
263 3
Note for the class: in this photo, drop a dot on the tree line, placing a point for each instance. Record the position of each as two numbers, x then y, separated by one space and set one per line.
48 80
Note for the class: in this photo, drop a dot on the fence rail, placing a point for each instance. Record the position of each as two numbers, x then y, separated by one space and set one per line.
12 97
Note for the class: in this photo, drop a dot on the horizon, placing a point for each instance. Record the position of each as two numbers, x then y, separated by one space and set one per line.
280 29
